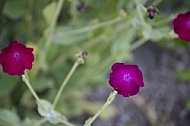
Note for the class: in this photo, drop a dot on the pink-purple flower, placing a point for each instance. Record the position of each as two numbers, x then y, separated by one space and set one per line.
126 79
16 58
181 26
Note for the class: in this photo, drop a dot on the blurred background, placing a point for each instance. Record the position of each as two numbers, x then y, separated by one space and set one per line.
110 31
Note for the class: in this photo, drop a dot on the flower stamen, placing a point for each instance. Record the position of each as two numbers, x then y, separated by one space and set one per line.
16 55
127 77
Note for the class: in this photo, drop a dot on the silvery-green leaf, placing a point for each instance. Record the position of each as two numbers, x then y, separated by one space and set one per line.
45 110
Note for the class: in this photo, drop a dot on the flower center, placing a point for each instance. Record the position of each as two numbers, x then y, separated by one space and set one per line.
127 77
16 55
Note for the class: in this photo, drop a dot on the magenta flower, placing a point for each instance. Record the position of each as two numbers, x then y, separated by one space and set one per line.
181 26
16 58
126 79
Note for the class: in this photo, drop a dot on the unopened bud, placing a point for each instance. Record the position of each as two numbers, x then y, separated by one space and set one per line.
81 57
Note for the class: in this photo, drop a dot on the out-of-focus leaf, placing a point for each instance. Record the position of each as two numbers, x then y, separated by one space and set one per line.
121 47
94 58
136 23
49 12
70 35
15 8
7 83
72 108
188 105
184 75
45 110
42 83
28 100
8 118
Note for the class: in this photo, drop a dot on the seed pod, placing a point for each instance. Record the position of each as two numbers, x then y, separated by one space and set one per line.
152 11
81 6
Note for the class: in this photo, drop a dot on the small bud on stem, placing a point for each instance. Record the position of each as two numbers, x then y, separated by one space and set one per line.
81 57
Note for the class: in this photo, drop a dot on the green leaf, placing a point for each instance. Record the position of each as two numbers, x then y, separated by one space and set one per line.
15 8
49 12
45 110
8 118
7 83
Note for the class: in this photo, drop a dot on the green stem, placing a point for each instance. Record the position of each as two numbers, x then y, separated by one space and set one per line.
64 83
43 120
109 101
162 22
138 43
26 80
73 10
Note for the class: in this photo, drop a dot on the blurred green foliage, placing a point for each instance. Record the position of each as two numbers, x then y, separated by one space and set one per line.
107 29
183 74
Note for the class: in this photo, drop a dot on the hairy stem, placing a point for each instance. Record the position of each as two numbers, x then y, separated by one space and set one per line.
26 80
64 83
109 101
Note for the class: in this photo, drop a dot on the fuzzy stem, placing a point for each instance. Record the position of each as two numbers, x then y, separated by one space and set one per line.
109 101
26 80
138 43
64 83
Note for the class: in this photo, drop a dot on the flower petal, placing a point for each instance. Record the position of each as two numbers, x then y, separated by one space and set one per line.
13 67
126 86
16 58
181 25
